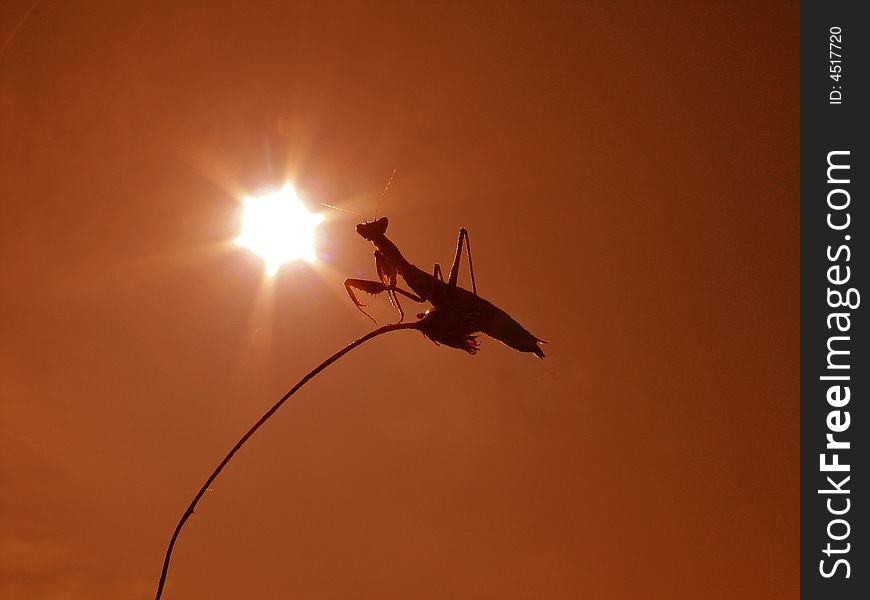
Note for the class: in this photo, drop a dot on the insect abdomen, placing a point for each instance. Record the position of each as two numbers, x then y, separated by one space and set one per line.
504 328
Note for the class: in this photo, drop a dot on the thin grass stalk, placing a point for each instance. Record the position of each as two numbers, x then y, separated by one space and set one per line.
256 426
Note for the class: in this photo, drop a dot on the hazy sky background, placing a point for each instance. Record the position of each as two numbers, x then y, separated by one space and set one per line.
628 173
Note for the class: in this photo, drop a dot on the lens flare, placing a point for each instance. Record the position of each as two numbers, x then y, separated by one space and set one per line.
278 228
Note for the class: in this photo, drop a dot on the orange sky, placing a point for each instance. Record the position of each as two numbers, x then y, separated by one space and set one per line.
629 178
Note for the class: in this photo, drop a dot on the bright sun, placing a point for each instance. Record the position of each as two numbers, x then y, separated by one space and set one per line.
277 227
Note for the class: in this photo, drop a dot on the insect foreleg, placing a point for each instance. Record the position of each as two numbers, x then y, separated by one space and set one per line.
454 270
375 287
367 286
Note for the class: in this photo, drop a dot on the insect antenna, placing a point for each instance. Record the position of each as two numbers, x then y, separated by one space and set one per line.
384 193
343 210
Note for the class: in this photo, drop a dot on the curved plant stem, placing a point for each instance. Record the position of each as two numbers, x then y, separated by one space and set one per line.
257 425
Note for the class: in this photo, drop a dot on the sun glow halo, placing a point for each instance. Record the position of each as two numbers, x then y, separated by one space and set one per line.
277 227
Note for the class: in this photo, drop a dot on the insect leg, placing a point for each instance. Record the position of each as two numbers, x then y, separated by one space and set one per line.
413 297
438 294
393 289
387 273
394 300
374 287
454 270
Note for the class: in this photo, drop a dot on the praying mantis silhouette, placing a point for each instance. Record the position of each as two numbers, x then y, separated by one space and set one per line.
464 309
